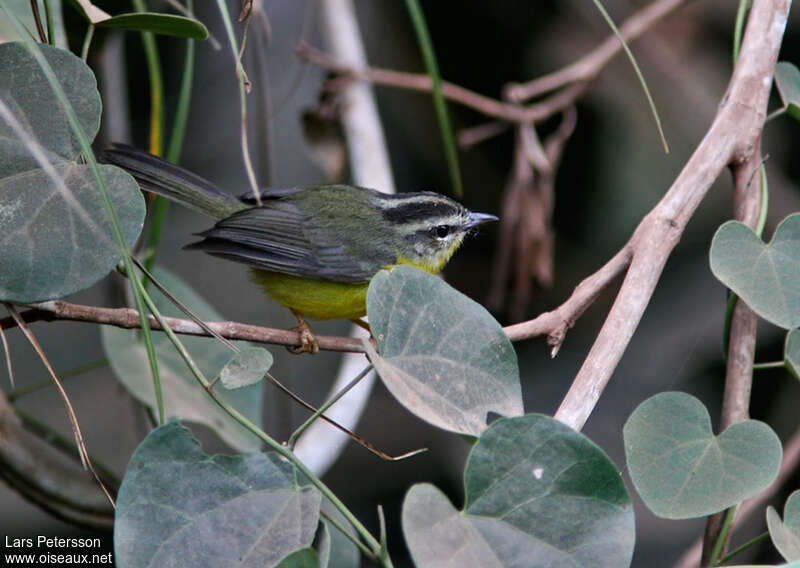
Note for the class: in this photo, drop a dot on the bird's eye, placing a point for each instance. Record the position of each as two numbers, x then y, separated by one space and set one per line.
442 231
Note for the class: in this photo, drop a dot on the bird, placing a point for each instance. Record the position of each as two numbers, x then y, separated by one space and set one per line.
312 249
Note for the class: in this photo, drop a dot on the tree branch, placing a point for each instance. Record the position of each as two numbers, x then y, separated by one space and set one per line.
587 68
732 139
129 319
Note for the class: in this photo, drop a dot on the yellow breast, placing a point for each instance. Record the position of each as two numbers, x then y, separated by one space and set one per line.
315 299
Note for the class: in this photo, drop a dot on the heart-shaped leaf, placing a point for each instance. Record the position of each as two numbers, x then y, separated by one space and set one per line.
442 355
183 396
178 506
791 352
785 533
765 276
681 470
537 494
787 79
57 236
245 368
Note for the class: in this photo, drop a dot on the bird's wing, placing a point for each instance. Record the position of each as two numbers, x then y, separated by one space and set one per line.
276 237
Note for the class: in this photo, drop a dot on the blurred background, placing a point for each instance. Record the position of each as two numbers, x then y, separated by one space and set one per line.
613 171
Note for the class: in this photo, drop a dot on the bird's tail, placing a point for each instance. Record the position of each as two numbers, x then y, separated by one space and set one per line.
173 182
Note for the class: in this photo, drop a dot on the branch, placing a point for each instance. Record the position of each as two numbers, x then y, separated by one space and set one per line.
509 112
129 319
732 139
742 342
589 66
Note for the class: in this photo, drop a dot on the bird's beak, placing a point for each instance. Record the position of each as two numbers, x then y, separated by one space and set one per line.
476 219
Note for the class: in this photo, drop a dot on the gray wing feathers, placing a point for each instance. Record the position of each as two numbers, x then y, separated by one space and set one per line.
274 238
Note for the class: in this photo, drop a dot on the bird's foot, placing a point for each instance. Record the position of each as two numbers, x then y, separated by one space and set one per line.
308 343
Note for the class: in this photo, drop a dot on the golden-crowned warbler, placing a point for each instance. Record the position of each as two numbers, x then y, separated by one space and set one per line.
313 249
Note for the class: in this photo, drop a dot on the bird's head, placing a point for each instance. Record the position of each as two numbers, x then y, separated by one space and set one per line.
428 227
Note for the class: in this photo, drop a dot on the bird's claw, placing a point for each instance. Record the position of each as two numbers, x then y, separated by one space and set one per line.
308 343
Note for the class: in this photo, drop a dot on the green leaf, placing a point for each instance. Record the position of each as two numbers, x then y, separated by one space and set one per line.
787 79
791 352
25 90
537 494
183 396
785 533
178 506
304 558
59 238
246 367
335 549
442 355
166 24
681 470
765 276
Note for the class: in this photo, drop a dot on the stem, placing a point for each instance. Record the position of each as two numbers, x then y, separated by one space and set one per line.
745 546
241 75
426 45
51 28
87 41
770 365
722 537
296 434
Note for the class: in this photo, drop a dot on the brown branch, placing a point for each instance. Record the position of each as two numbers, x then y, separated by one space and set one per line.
742 341
789 465
509 112
731 139
587 68
129 319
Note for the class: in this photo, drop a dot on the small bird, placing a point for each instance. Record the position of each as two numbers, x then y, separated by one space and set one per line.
312 249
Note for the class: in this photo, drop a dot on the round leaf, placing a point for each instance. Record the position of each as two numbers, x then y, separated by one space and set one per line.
765 276
785 533
787 79
246 367
442 355
178 506
25 90
183 396
681 470
58 239
537 494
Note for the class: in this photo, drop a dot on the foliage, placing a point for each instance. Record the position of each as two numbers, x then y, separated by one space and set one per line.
536 492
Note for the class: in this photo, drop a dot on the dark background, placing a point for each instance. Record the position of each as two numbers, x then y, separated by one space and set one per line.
614 170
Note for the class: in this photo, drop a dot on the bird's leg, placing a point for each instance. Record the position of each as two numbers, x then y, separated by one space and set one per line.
308 343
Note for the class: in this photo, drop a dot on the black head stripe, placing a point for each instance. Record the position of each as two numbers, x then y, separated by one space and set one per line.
429 208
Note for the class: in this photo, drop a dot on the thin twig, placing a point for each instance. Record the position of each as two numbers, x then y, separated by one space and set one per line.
589 66
7 351
76 429
37 18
